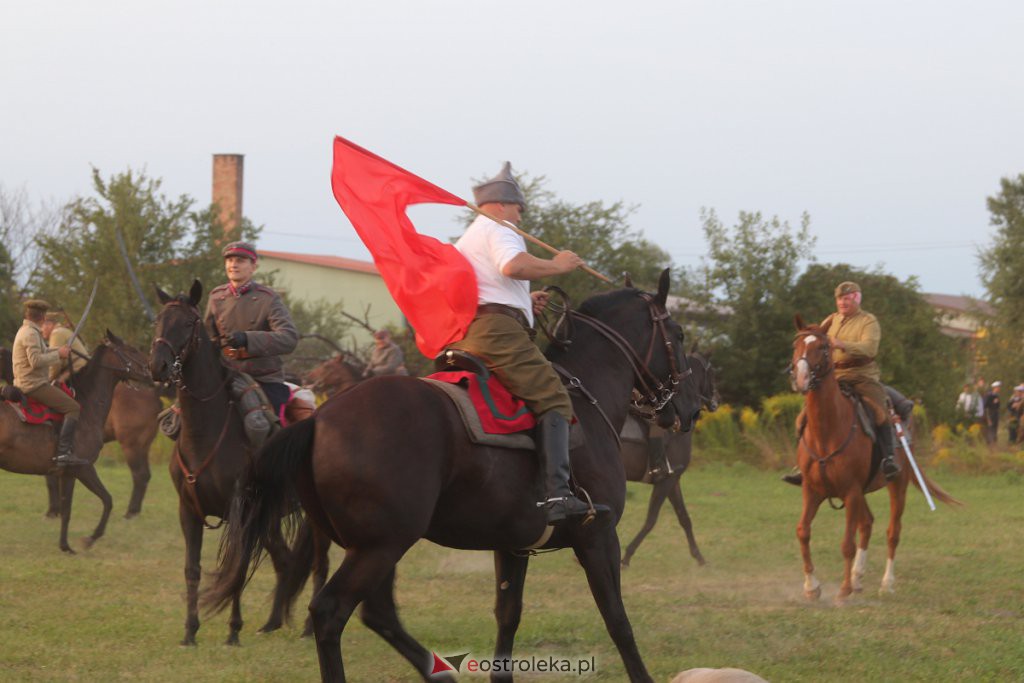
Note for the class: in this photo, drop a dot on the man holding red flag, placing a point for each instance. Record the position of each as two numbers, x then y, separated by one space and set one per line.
502 331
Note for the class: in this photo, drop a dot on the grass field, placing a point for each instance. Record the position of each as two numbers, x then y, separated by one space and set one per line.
116 611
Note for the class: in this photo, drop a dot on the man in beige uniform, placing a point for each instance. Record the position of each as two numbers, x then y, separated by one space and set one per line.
57 335
32 359
855 336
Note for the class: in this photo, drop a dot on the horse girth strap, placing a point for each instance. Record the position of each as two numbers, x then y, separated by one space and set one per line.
189 477
822 461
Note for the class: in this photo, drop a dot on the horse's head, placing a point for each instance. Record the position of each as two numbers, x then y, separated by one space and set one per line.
704 378
127 362
639 325
178 329
812 356
333 376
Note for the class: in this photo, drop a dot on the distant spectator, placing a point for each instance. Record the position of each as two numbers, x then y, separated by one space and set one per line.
969 409
387 357
992 413
1014 411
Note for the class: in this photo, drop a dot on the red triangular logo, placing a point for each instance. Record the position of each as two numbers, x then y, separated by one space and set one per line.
440 665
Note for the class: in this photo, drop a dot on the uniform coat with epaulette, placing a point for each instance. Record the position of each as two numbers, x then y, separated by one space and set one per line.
268 327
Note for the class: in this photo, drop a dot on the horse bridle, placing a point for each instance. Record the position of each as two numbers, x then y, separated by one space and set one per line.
709 402
819 371
181 357
654 393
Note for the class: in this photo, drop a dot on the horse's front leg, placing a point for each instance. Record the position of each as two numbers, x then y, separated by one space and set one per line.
675 496
812 588
510 578
598 552
855 509
192 529
658 494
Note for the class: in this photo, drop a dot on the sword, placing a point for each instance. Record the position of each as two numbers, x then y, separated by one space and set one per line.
913 463
85 314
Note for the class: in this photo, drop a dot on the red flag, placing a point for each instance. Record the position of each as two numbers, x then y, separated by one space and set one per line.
431 282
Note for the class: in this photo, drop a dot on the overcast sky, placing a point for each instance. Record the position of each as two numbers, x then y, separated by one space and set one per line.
888 122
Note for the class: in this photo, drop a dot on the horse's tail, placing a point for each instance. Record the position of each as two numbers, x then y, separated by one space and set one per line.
301 565
265 496
937 491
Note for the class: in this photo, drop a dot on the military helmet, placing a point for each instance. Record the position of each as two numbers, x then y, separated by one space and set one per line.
245 249
502 189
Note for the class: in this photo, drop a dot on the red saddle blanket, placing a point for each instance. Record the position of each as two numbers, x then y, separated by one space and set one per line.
500 412
37 413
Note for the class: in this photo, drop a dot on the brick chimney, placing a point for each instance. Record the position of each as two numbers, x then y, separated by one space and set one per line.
227 188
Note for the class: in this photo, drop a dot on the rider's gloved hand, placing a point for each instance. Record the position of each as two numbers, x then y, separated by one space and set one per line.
237 340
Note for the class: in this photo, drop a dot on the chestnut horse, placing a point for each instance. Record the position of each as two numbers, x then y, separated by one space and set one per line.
334 375
29 449
835 457
211 452
676 449
387 463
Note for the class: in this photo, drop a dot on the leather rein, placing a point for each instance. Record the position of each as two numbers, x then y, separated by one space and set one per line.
654 393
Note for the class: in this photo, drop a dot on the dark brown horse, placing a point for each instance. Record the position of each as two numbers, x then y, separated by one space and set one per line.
387 463
675 449
132 422
29 449
211 452
835 456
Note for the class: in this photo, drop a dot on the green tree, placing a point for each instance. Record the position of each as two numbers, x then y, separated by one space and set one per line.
169 242
599 233
915 357
749 276
1001 267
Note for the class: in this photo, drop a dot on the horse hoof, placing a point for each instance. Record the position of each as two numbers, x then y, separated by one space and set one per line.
51 514
625 564
131 515
67 549
814 594
232 640
188 641
886 590
269 627
841 600
87 542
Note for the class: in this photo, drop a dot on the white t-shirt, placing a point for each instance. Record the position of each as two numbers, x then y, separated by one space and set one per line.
488 246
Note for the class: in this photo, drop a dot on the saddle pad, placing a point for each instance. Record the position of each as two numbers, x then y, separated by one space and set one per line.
499 411
632 431
471 419
31 411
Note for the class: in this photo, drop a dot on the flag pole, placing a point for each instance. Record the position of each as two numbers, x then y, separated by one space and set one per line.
531 238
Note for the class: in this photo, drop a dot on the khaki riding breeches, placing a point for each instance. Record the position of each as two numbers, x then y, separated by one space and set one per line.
56 399
873 395
507 350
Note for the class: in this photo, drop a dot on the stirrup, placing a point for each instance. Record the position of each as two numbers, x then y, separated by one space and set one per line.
657 474
890 468
68 460
558 510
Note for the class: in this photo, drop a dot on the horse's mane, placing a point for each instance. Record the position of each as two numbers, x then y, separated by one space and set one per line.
6 366
598 303
814 330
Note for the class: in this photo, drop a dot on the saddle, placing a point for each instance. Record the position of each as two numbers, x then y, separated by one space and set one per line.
31 411
491 415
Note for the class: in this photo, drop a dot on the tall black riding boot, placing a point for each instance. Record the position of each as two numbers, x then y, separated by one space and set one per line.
553 449
657 463
887 442
65 444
